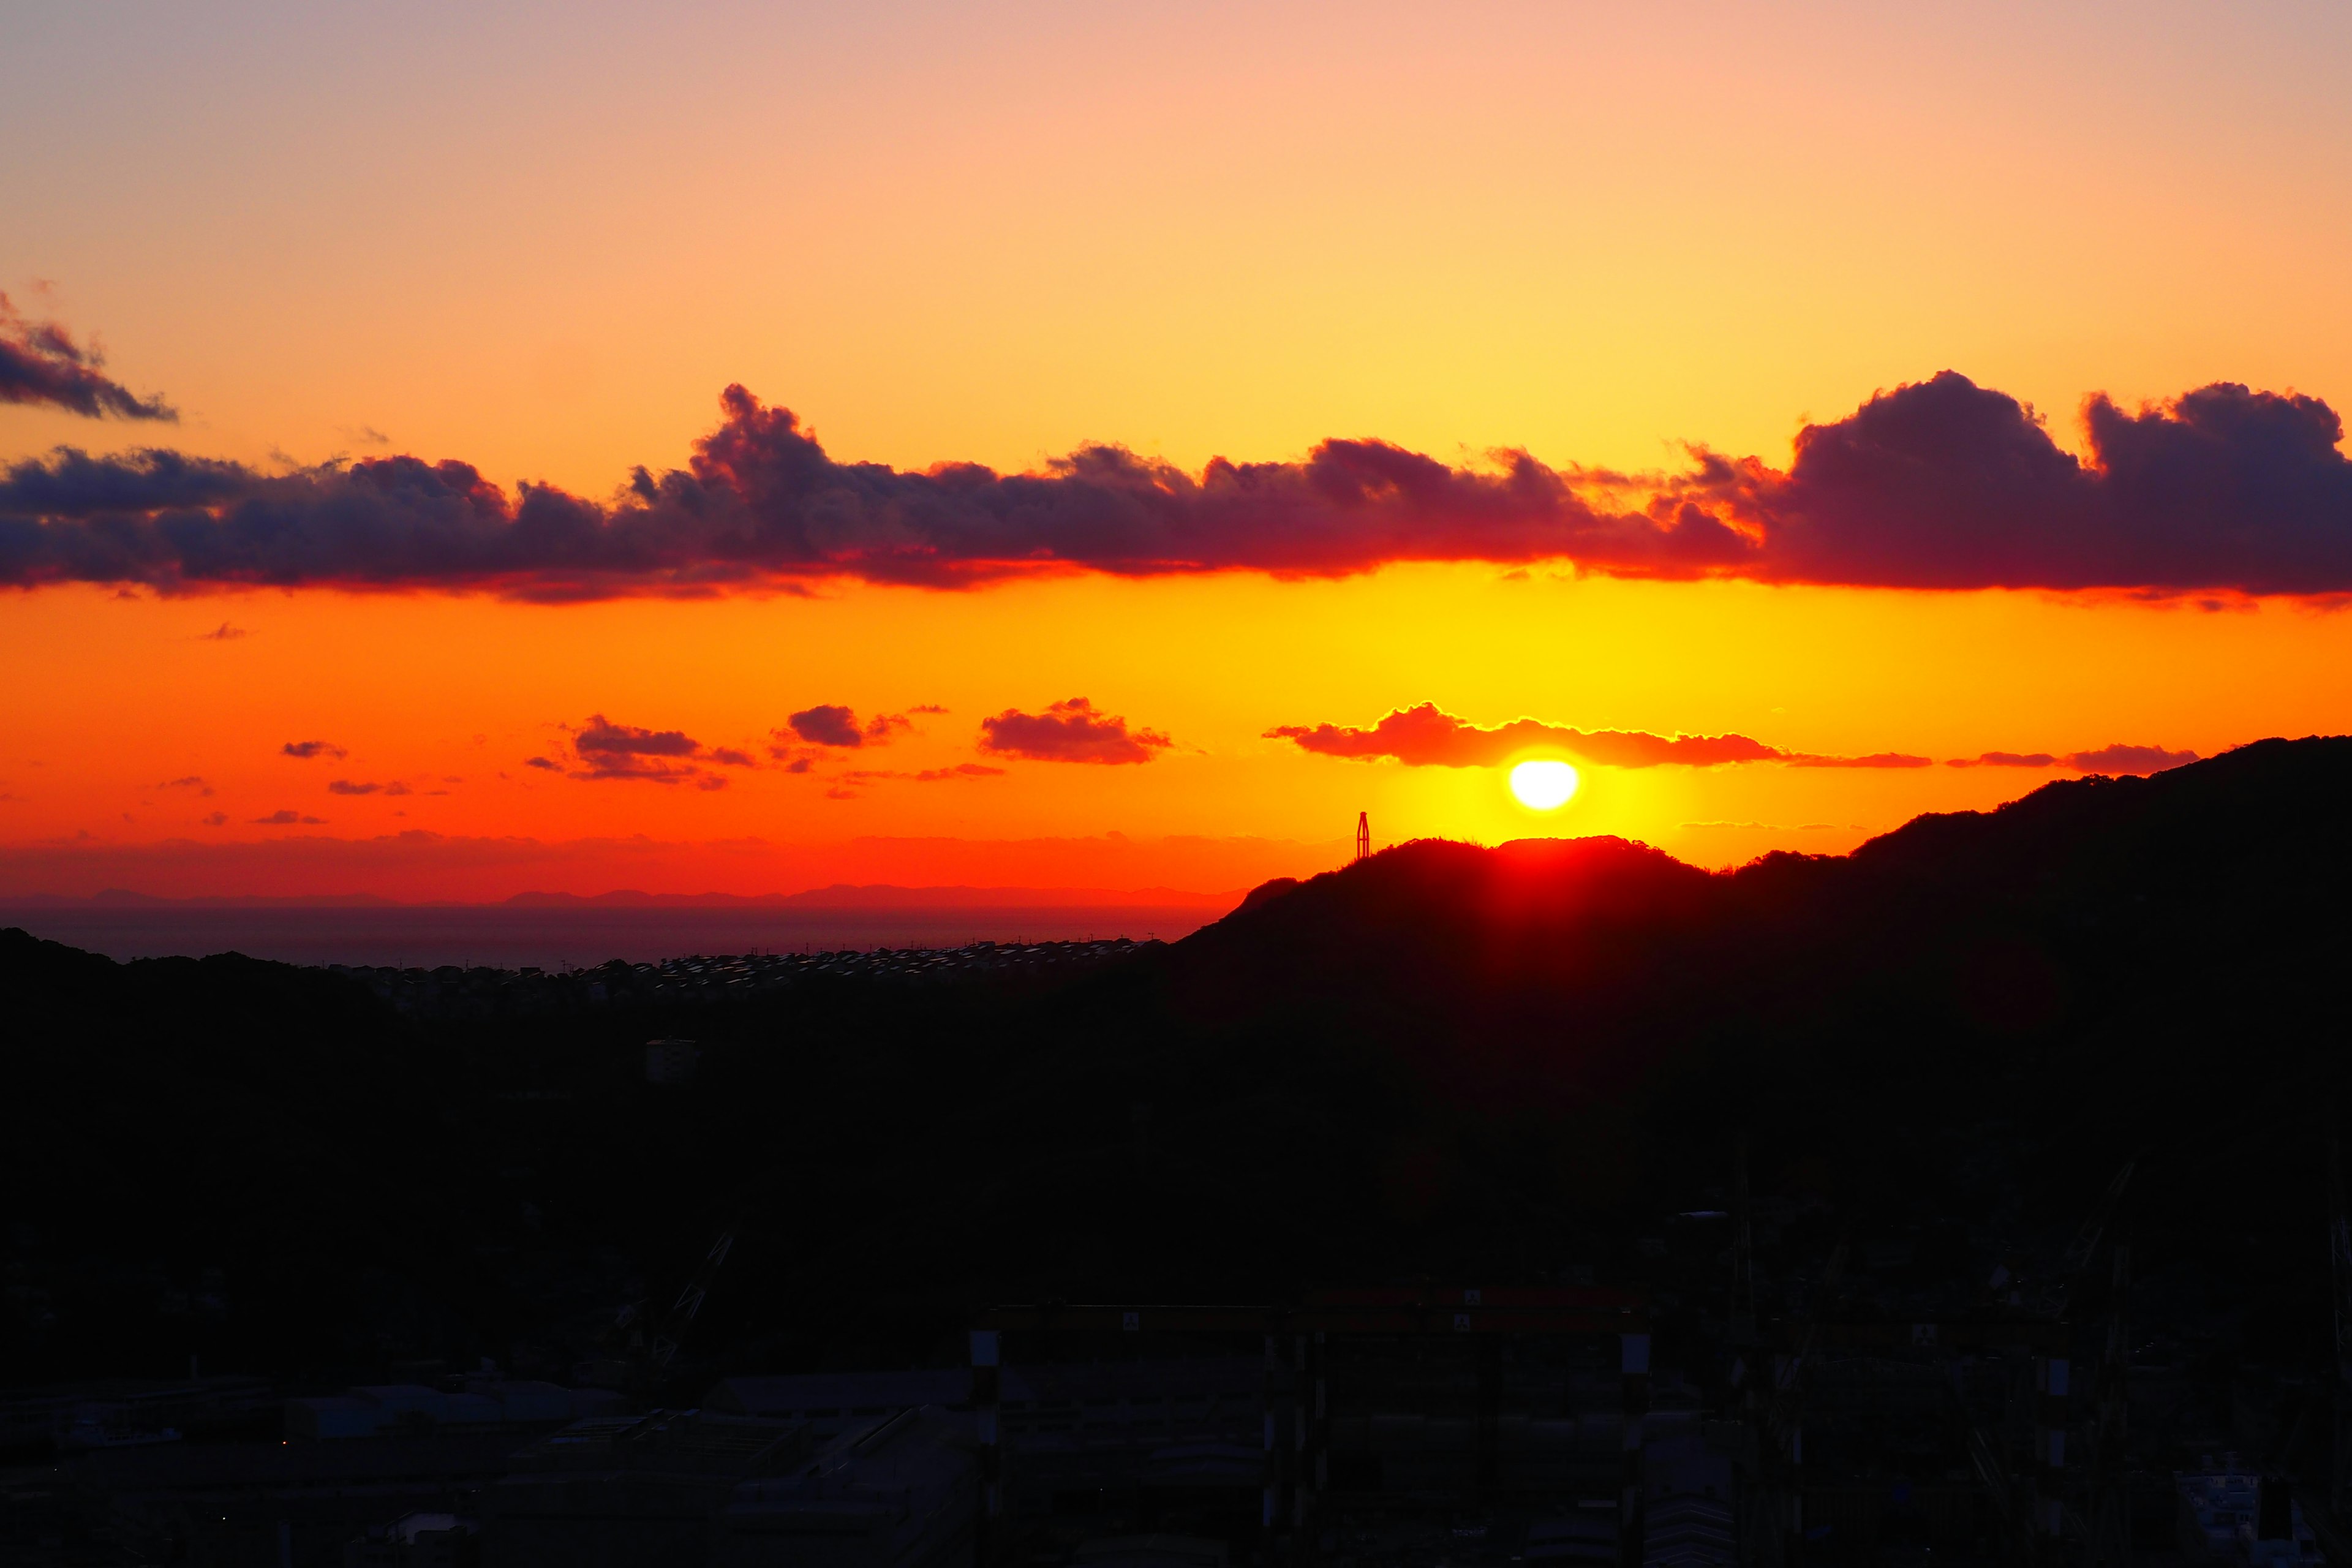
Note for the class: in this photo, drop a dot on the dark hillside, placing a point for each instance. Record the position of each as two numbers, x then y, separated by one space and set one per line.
1442 1062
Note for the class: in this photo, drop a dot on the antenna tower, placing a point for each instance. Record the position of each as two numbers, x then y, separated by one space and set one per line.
1363 835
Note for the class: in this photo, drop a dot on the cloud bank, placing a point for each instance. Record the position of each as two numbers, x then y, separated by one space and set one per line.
40 362
1941 484
1425 735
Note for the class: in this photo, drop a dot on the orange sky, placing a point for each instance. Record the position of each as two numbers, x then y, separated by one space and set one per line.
453 694
541 241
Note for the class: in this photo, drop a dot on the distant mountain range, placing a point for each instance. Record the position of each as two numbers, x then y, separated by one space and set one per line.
840 896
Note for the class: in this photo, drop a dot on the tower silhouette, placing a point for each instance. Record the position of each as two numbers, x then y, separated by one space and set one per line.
1363 837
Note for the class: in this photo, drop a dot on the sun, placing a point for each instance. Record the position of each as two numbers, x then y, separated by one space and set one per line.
1543 785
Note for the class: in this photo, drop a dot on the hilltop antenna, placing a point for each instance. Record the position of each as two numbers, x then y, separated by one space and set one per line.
1363 835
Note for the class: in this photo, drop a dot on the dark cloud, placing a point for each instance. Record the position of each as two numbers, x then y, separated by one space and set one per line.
286 818
215 819
2116 759
187 781
1069 731
605 750
2005 759
223 633
309 749
761 503
832 724
601 738
827 724
2122 758
40 362
111 492
1425 735
348 786
1941 484
1945 484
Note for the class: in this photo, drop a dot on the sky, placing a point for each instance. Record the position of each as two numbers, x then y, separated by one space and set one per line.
447 451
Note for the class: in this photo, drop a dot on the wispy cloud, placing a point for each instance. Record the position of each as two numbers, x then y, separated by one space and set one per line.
1425 735
41 363
2117 759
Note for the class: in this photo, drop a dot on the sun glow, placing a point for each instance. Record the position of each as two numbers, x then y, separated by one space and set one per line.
1543 785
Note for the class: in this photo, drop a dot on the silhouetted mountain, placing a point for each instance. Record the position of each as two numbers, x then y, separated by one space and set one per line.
1444 1061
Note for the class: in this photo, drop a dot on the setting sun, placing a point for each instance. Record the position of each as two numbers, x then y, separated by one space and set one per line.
1543 785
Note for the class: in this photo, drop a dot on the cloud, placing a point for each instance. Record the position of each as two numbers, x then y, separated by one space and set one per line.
309 749
2005 759
1945 484
2122 758
601 738
223 633
2116 759
610 751
832 724
187 781
1938 484
1874 760
215 819
40 362
1427 736
762 504
605 750
286 818
1069 731
925 775
347 787
827 724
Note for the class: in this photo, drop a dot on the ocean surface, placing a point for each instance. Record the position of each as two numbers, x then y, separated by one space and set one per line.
510 937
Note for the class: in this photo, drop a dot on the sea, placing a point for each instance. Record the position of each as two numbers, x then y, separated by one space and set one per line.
507 936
